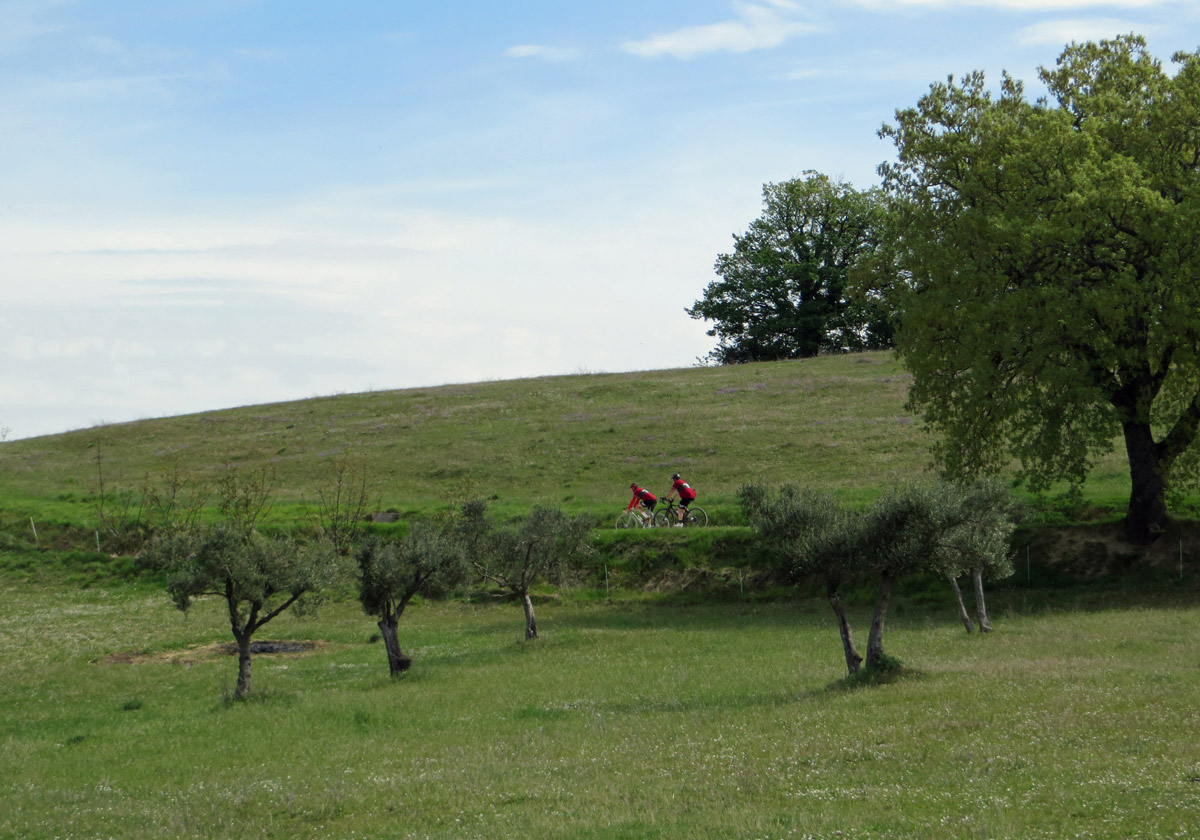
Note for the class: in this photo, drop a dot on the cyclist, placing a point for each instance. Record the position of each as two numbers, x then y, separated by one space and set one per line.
686 496
644 500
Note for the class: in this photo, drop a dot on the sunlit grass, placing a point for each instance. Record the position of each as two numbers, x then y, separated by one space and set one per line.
630 719
836 422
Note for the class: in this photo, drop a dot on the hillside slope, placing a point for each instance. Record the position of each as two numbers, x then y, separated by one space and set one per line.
574 440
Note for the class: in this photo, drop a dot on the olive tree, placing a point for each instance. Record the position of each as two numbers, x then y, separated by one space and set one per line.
915 528
258 577
1047 254
811 535
515 557
976 542
428 559
783 289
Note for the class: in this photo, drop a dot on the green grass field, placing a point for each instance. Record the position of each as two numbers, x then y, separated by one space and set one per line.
708 711
631 719
577 441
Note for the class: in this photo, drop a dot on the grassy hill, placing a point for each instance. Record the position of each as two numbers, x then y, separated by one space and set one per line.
634 716
578 441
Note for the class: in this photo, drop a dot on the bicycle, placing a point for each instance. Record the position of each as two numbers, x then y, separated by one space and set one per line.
667 516
633 519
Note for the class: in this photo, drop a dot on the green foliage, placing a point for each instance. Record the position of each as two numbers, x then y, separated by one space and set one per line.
545 545
427 560
808 531
939 527
259 576
1047 250
782 293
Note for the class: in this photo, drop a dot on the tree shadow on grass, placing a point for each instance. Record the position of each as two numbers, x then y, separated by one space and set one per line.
716 616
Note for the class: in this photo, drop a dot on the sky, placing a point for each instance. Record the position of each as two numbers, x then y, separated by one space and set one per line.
215 203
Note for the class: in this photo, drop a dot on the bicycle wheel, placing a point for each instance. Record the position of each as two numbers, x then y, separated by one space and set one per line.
662 519
696 517
629 520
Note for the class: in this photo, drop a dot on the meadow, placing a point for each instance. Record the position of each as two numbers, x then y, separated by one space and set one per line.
574 441
631 718
664 699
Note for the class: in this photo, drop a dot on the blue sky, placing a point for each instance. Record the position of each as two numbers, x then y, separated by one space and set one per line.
213 203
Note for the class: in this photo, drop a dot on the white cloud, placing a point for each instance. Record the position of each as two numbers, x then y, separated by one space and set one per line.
541 52
1059 32
756 27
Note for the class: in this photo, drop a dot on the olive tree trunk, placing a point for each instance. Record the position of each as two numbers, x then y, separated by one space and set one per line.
985 626
530 618
853 659
243 680
875 639
398 663
962 607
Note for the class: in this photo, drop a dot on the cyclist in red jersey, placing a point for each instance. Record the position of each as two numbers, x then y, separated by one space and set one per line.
686 495
644 500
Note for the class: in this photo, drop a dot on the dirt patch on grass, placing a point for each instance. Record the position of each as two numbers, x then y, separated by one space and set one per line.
214 650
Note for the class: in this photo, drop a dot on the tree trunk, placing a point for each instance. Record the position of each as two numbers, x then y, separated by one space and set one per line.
853 659
962 608
875 639
530 619
985 626
1146 517
398 663
243 681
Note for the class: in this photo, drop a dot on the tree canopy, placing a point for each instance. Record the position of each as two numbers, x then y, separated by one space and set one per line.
541 546
392 573
940 527
1048 256
782 292
259 577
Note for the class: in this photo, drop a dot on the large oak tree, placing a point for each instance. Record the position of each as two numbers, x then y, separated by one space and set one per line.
782 292
1049 252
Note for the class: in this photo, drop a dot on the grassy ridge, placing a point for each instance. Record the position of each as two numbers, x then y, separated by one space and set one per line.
837 422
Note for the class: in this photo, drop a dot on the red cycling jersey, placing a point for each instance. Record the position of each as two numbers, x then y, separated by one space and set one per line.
684 490
640 495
